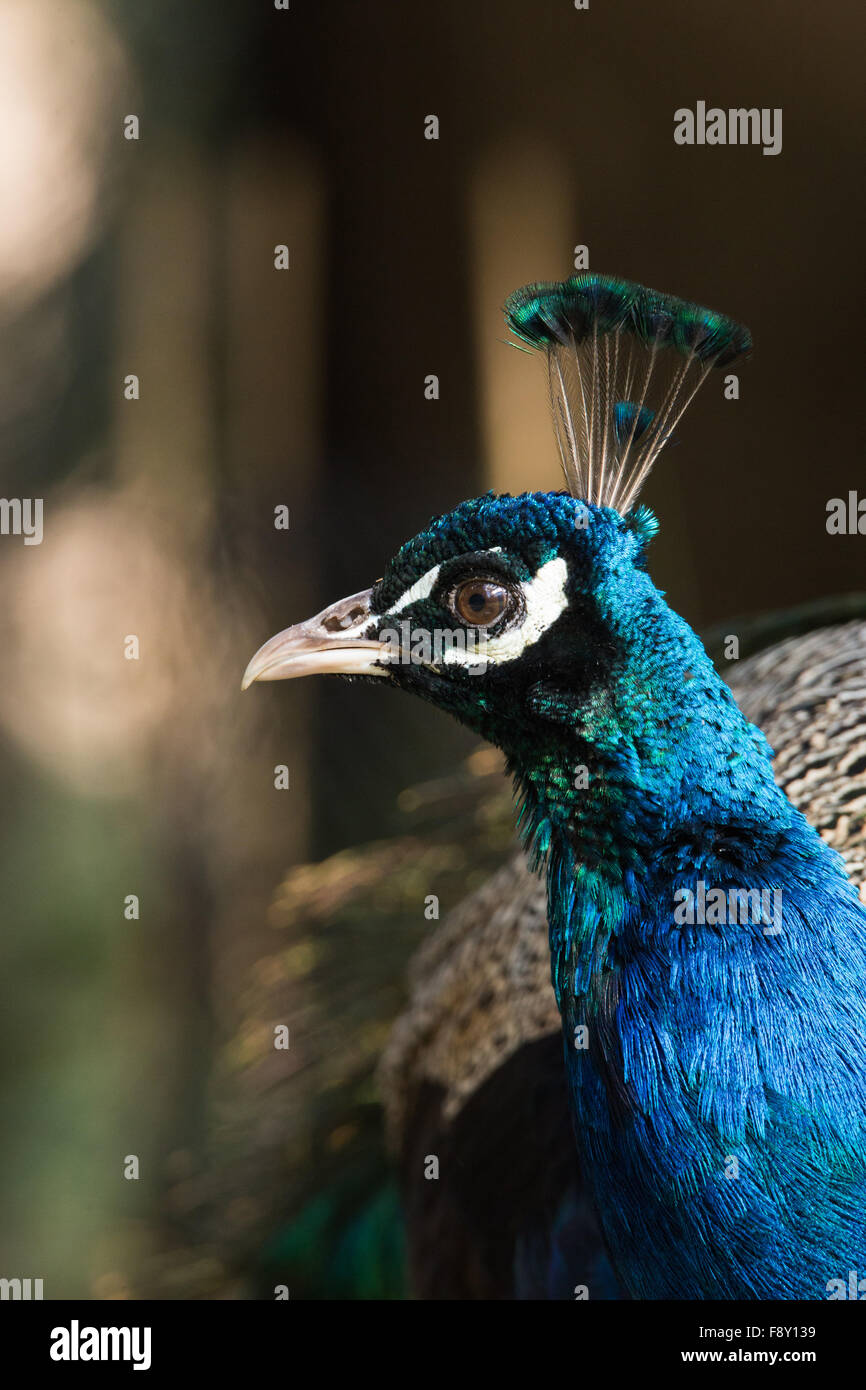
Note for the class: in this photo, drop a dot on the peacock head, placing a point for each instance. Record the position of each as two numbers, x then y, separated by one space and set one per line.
491 605
508 610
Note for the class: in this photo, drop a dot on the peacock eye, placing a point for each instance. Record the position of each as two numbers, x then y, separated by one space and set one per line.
480 602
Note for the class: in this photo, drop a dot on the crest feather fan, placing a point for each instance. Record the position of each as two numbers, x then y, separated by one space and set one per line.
624 362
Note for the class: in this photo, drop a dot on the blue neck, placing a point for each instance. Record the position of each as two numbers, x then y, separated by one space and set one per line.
688 1044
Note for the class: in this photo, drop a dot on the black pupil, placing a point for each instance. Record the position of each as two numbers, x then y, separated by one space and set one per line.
481 602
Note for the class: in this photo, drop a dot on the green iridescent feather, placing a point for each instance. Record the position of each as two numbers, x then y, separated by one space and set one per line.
550 312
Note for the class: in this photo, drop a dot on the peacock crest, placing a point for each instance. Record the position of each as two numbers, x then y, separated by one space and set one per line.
624 362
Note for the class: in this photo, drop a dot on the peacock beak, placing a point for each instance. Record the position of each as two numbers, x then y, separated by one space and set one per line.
333 642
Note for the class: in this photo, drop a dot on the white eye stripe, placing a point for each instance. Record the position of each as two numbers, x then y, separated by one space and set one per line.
423 587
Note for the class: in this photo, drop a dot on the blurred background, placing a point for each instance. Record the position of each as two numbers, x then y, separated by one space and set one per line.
153 1036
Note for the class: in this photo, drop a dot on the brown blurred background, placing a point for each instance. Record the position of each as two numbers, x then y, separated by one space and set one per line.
305 387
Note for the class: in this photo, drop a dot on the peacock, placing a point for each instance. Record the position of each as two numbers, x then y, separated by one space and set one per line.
706 945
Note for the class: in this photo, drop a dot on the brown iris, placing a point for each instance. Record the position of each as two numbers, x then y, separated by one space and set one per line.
480 602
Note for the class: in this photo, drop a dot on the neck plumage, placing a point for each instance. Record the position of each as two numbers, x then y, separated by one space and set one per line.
656 780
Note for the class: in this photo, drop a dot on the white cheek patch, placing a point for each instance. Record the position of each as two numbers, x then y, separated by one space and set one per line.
544 599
